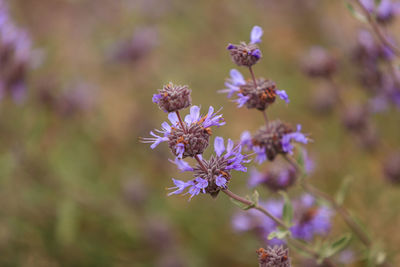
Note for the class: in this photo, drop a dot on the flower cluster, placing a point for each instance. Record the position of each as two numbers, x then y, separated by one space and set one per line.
273 139
310 219
277 177
15 53
190 138
214 174
254 93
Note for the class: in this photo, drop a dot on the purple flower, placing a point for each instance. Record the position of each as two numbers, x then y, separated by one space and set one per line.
282 94
179 186
156 98
277 177
296 136
233 83
256 53
260 154
180 149
241 100
220 181
256 34
182 165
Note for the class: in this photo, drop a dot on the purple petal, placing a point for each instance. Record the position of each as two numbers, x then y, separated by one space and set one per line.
282 94
237 77
256 53
219 146
180 149
156 98
255 35
241 100
173 118
220 181
182 165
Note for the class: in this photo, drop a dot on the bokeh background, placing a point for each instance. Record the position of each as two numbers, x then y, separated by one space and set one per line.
78 189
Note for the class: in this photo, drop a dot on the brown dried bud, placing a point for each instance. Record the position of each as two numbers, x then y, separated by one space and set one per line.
273 257
244 54
173 97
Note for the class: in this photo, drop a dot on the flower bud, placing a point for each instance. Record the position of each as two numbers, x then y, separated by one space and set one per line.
173 97
244 54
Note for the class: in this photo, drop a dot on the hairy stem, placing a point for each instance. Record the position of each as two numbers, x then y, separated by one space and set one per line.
253 77
265 117
180 121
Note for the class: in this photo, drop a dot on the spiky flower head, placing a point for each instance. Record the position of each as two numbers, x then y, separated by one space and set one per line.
172 97
257 95
276 256
273 139
186 138
214 174
276 177
244 54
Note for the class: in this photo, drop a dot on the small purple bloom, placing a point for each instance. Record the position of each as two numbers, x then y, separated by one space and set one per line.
201 183
282 94
180 149
260 154
296 136
256 53
182 165
179 186
256 34
193 116
245 138
237 77
212 119
231 46
219 146
368 4
241 100
156 98
220 181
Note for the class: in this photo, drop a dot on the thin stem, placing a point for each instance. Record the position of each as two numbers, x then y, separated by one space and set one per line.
340 209
280 223
265 117
253 77
180 121
378 31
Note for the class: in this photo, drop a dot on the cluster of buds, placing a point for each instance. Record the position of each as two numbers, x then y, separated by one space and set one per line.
190 138
253 93
276 256
15 51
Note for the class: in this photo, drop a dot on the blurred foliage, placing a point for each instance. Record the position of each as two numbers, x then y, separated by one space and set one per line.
78 189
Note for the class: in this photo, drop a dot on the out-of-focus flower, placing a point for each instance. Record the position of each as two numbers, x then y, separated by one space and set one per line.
355 118
276 177
324 99
276 256
143 41
273 139
247 54
319 63
212 175
310 219
189 139
15 56
391 168
173 97
385 11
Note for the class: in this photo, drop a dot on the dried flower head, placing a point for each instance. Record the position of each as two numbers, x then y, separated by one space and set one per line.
173 97
276 256
257 95
247 54
276 177
273 139
187 138
319 63
212 175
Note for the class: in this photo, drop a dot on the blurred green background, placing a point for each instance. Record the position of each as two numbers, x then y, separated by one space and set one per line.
78 189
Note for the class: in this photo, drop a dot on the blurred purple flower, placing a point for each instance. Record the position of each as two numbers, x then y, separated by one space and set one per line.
256 34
